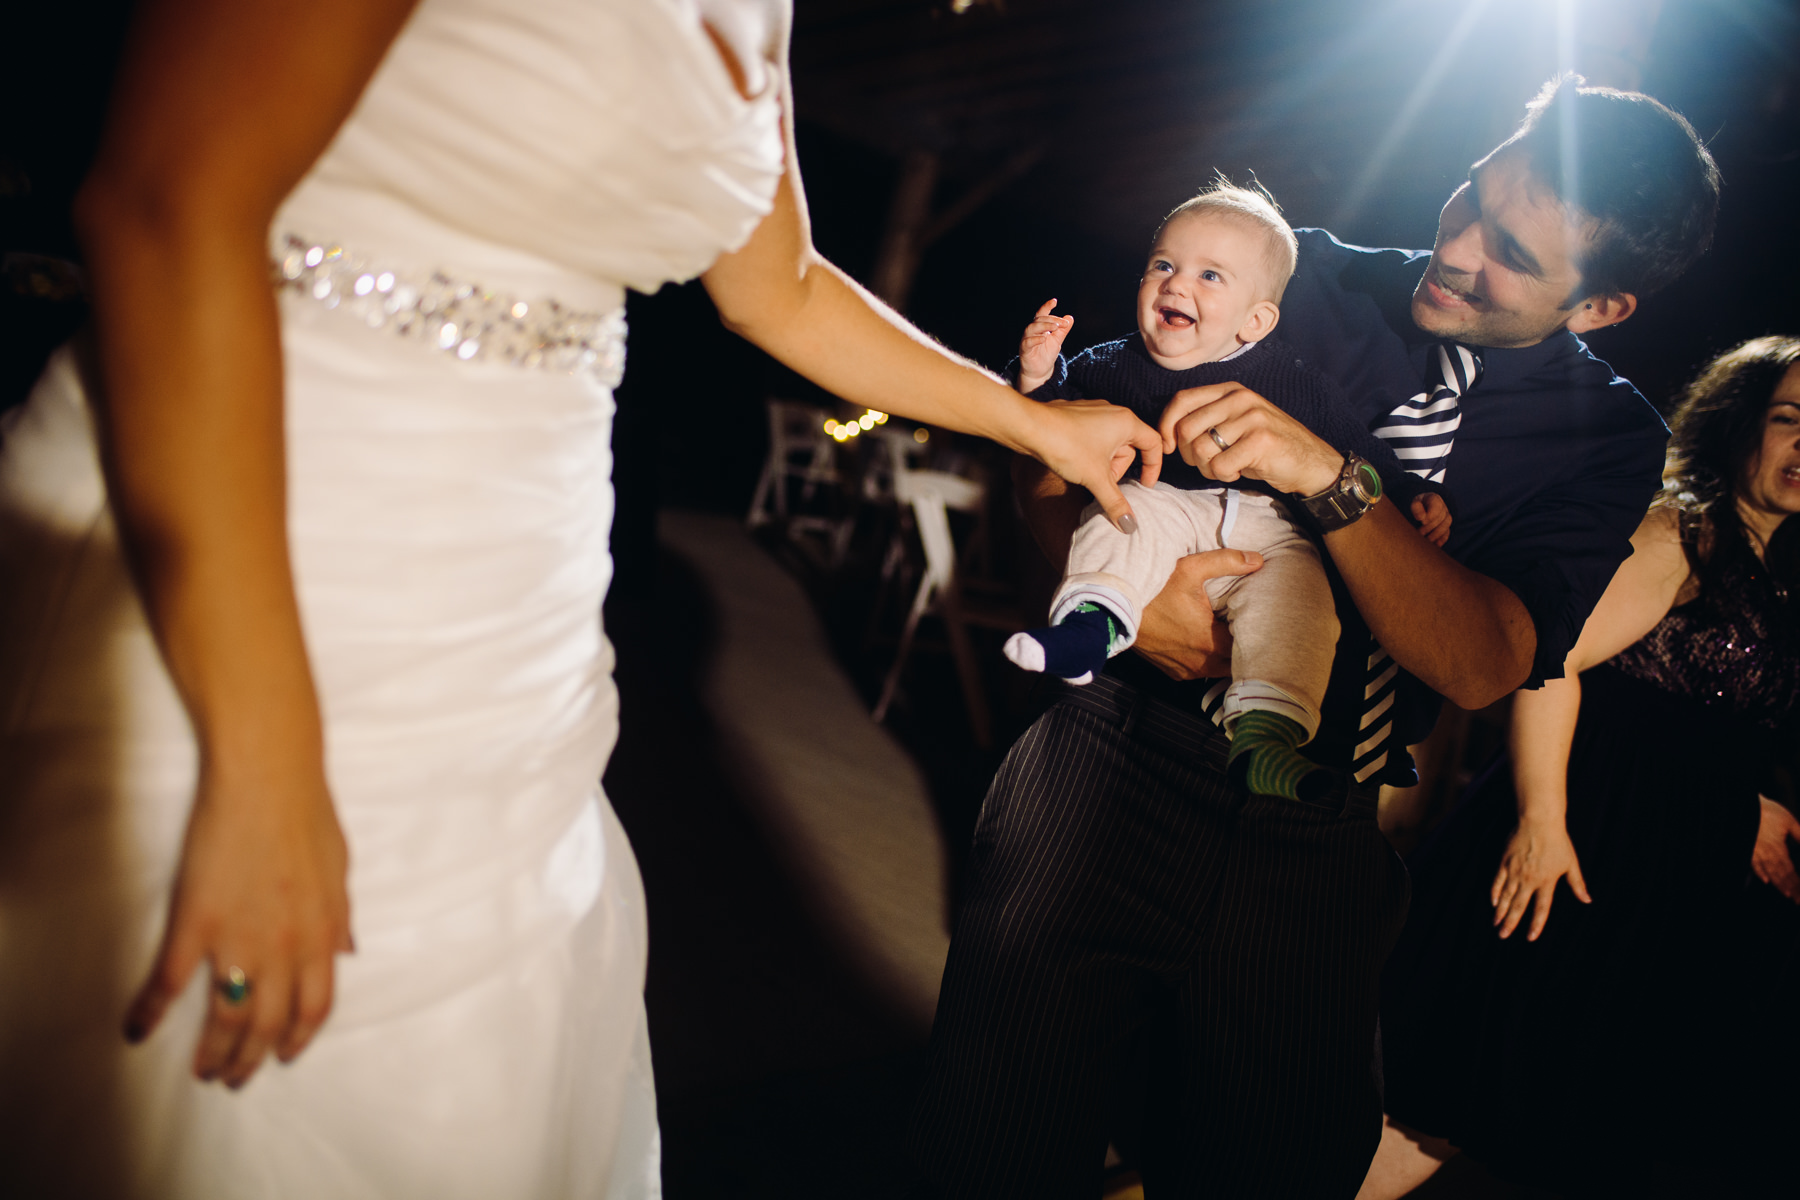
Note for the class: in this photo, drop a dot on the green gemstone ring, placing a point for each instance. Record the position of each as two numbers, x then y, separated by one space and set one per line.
235 987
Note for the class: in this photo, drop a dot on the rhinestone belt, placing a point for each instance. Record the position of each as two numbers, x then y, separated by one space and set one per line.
453 317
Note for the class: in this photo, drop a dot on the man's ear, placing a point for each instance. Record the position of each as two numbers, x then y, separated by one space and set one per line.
1597 312
1260 322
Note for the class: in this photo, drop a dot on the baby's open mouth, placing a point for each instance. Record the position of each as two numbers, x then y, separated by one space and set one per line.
1175 318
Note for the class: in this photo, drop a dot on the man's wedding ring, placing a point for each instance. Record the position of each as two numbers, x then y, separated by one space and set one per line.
1218 441
235 987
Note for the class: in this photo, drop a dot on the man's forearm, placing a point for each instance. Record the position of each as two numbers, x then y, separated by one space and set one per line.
1052 507
1464 635
1467 637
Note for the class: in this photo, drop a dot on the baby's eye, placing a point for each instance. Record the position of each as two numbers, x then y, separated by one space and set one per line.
1210 276
1161 264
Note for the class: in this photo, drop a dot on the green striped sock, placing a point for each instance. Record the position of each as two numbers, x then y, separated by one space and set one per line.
1265 757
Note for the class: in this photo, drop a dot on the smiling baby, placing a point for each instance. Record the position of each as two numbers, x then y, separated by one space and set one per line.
1206 306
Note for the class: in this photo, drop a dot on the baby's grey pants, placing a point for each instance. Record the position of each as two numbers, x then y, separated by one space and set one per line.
1284 627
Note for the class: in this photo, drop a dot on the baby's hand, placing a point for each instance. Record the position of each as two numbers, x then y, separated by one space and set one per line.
1039 347
1432 516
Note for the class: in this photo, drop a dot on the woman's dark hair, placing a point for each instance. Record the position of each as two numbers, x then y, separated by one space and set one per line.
1716 430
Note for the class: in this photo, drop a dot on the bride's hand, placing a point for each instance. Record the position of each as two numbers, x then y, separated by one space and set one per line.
1091 443
261 888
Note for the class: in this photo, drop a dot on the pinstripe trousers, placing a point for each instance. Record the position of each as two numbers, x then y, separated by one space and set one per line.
1122 890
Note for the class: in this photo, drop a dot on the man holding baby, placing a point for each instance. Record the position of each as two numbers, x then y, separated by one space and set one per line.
1143 932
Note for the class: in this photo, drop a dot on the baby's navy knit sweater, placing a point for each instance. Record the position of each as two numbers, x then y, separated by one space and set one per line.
1123 373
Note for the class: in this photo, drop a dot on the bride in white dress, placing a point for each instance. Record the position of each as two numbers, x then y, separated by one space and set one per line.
354 679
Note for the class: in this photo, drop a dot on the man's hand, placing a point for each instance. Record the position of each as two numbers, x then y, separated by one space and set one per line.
1432 516
1465 636
1771 861
1039 347
1180 633
1259 441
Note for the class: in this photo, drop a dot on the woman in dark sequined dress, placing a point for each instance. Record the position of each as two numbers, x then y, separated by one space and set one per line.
1610 1049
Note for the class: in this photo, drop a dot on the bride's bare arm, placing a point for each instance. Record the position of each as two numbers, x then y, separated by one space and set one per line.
780 294
218 110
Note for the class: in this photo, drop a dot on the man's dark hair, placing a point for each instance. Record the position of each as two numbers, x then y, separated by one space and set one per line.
1637 168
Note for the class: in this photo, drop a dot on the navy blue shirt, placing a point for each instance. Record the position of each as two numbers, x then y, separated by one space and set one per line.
1554 465
1124 373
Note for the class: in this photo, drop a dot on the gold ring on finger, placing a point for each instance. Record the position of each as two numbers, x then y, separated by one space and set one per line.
235 987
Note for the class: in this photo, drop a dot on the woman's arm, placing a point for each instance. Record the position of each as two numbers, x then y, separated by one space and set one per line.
218 110
780 294
1543 727
1539 852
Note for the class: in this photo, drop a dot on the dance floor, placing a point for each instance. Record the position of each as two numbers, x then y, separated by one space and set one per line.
798 898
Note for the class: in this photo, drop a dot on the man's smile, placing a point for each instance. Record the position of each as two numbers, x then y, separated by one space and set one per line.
1445 296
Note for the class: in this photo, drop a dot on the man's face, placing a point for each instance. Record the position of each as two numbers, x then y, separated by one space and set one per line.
1503 268
1199 298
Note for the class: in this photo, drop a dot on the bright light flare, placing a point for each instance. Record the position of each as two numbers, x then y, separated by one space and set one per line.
1429 80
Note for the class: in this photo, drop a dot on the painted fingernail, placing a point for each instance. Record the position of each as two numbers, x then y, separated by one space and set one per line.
1127 524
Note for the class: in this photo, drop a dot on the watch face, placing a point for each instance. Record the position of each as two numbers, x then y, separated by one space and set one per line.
1368 481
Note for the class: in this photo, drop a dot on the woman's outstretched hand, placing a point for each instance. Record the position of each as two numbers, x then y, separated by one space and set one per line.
1538 855
1091 444
261 889
1771 861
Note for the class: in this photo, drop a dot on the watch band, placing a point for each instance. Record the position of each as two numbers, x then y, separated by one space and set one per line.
1353 493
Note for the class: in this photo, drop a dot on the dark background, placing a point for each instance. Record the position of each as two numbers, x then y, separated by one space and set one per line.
1359 115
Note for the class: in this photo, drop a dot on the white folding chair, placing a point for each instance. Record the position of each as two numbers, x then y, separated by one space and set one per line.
799 449
930 495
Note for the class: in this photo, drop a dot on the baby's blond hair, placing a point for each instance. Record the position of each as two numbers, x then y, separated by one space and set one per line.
1248 206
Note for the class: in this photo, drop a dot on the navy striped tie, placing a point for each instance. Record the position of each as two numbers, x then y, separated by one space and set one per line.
1421 431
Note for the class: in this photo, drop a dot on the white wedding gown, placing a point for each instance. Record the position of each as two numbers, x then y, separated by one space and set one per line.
510 169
